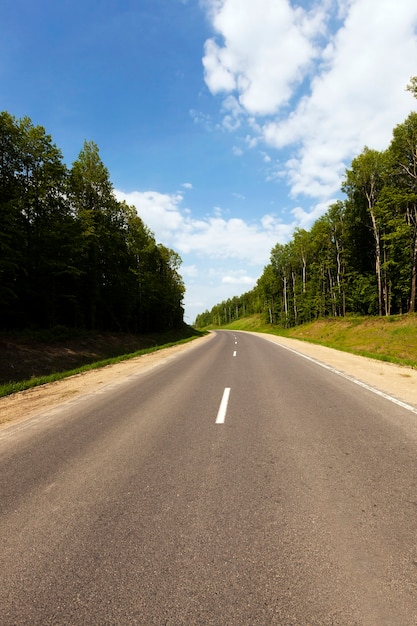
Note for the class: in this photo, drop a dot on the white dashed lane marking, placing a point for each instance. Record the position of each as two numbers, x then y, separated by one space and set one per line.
221 415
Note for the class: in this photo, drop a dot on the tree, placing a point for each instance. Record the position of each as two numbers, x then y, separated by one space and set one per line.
45 212
35 218
364 182
403 154
70 253
11 225
336 217
94 205
267 288
169 288
281 264
412 86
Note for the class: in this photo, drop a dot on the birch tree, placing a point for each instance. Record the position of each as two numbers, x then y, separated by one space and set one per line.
403 154
364 181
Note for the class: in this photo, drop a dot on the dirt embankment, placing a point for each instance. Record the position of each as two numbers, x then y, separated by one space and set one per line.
25 357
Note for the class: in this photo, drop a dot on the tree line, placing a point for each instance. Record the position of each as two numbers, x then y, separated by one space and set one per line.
70 253
360 257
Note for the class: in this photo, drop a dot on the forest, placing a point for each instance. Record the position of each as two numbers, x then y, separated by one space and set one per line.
359 258
71 255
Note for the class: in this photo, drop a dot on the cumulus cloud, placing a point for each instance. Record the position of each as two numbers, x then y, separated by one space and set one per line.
238 278
212 236
189 271
265 48
306 217
321 83
232 238
159 211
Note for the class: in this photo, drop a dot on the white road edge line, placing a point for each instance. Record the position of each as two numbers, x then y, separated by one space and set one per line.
223 406
400 403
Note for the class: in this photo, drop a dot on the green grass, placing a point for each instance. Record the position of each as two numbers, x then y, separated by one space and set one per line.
392 339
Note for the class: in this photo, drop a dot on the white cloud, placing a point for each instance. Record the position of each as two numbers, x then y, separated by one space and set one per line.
212 236
322 82
306 218
159 211
187 186
189 271
239 278
266 46
201 119
233 114
270 222
357 100
218 76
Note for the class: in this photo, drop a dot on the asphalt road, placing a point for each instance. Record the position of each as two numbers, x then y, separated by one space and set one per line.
290 499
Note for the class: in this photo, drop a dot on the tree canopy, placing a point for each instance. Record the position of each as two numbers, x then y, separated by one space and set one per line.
70 253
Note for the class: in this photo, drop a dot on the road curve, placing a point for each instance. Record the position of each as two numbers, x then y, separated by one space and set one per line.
238 484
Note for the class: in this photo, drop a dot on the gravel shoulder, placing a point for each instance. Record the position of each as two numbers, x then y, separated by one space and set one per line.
397 381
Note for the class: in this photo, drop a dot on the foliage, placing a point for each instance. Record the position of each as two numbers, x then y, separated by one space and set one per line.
359 258
70 253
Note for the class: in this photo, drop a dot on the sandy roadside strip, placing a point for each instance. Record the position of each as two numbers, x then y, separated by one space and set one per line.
397 381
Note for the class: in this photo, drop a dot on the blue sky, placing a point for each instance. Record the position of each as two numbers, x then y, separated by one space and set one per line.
227 123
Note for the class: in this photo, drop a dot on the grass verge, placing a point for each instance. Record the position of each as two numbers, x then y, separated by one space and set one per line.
392 339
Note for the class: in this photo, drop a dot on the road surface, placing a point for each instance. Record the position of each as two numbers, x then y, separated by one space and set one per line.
239 484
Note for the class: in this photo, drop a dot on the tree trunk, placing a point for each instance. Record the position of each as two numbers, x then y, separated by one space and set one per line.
294 277
304 273
285 300
377 260
412 305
